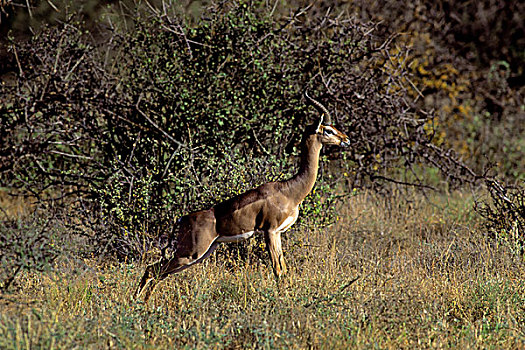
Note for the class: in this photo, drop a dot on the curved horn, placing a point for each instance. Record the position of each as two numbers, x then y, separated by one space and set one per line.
320 107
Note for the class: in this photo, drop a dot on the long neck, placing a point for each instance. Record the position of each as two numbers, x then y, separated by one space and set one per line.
302 183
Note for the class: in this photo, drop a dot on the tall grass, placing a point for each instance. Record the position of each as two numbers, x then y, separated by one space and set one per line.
427 277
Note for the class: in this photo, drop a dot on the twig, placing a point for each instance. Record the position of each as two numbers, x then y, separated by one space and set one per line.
29 9
70 155
53 6
155 125
259 143
404 183
18 61
334 295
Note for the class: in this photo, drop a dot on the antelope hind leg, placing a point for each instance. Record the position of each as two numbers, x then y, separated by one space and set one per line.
157 272
196 240
149 280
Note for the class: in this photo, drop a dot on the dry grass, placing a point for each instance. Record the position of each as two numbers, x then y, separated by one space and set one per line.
13 206
427 279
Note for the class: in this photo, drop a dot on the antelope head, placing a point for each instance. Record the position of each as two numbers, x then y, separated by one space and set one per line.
326 132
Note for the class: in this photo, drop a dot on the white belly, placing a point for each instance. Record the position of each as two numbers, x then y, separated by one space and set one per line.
285 225
236 238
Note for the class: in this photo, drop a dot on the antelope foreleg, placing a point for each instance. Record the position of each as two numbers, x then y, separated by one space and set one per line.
273 244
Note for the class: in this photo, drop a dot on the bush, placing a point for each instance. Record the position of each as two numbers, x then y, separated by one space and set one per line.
467 65
27 244
143 128
504 214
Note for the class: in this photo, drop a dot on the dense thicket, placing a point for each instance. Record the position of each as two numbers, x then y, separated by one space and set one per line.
158 114
468 64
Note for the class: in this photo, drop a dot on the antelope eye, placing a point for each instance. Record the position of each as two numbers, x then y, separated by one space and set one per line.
329 132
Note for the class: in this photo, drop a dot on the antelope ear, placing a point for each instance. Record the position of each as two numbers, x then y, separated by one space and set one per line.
320 124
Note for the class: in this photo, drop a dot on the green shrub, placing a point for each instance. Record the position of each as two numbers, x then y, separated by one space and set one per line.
27 244
172 116
504 214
